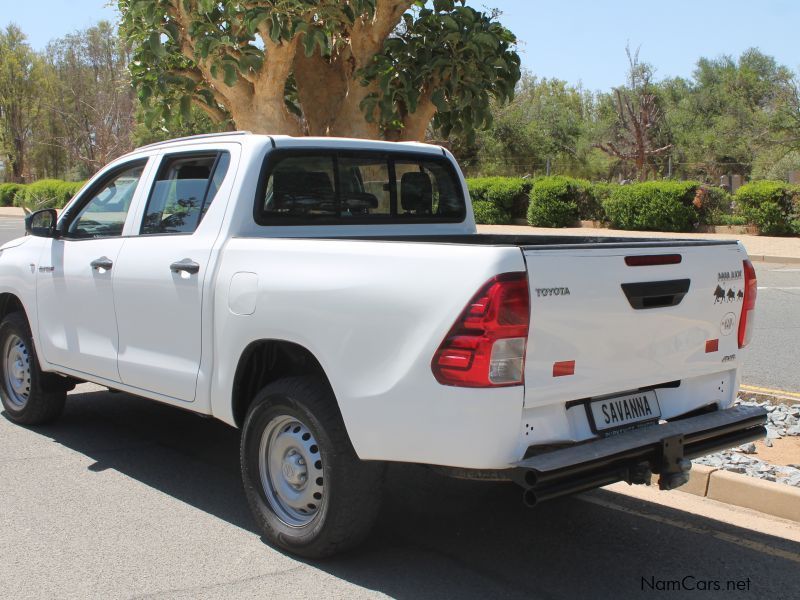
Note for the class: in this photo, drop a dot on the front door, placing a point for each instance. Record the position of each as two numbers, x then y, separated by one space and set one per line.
77 321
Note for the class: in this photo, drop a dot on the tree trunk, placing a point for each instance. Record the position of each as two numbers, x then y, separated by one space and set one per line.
18 161
265 115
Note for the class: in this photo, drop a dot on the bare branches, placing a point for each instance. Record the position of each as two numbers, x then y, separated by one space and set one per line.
639 119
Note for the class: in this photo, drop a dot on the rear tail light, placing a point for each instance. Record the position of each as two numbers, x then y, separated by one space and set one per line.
746 320
486 345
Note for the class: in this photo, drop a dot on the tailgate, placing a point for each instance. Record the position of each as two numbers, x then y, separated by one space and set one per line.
627 327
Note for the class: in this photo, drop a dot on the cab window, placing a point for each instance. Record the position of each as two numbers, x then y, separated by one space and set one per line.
104 214
184 189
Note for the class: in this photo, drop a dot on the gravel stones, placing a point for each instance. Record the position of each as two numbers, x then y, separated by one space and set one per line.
782 421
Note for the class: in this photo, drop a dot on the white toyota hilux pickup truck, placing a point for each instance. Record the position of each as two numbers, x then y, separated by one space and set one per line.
333 300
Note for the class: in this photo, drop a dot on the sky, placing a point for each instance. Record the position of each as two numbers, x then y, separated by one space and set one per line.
580 41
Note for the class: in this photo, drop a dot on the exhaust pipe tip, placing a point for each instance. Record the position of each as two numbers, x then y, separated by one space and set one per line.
529 498
530 478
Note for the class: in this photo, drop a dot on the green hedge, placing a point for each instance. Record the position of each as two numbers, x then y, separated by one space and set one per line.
8 192
498 200
487 213
554 202
772 205
653 206
717 207
47 193
505 192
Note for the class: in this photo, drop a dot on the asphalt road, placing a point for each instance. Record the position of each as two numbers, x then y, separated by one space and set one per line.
126 498
772 361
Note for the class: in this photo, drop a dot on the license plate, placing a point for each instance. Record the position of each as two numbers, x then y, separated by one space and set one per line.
624 411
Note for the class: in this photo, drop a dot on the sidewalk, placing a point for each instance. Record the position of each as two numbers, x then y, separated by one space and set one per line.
11 211
760 248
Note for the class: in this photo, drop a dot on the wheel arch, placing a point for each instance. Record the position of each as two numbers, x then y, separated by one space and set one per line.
264 361
9 303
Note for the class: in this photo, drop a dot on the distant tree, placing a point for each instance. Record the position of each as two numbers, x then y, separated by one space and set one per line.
548 119
21 96
362 68
729 113
639 118
94 104
786 124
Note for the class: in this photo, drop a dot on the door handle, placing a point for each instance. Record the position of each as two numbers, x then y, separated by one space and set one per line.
187 265
102 263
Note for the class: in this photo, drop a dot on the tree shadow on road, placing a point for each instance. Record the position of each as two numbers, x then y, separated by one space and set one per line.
439 537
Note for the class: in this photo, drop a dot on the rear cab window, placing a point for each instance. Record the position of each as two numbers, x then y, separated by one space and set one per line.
306 187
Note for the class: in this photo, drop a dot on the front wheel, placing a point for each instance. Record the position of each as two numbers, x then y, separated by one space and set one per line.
29 396
307 489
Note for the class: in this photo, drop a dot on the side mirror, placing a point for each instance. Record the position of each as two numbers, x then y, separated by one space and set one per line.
42 223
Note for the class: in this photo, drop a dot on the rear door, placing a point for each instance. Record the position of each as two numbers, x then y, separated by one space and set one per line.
604 320
160 273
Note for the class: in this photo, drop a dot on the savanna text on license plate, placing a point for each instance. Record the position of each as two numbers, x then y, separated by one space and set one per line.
621 411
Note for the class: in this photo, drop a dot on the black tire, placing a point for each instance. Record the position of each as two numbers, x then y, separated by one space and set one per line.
46 393
352 488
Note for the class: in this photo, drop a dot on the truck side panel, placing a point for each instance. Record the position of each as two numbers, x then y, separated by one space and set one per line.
373 314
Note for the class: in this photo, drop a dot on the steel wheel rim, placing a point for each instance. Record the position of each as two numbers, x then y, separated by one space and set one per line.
17 371
290 467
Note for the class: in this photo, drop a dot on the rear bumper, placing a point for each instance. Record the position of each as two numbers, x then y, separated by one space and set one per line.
634 455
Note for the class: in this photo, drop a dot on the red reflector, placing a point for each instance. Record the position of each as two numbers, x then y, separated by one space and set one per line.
563 368
653 259
712 345
454 358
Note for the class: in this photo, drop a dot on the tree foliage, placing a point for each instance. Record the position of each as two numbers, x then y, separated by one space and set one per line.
547 119
92 109
729 113
22 93
733 116
363 68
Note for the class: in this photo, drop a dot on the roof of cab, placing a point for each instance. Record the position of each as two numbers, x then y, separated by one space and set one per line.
286 141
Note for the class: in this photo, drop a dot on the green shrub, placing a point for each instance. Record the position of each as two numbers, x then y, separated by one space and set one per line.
774 206
717 206
588 197
724 219
508 193
653 206
47 193
554 201
602 191
8 192
488 213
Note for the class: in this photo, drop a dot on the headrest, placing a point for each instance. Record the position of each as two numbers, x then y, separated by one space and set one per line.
301 182
194 172
416 192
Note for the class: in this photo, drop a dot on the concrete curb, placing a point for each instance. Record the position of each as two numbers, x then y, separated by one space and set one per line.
774 259
768 497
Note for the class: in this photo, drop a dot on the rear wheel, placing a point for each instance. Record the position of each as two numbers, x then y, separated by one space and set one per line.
29 396
307 489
